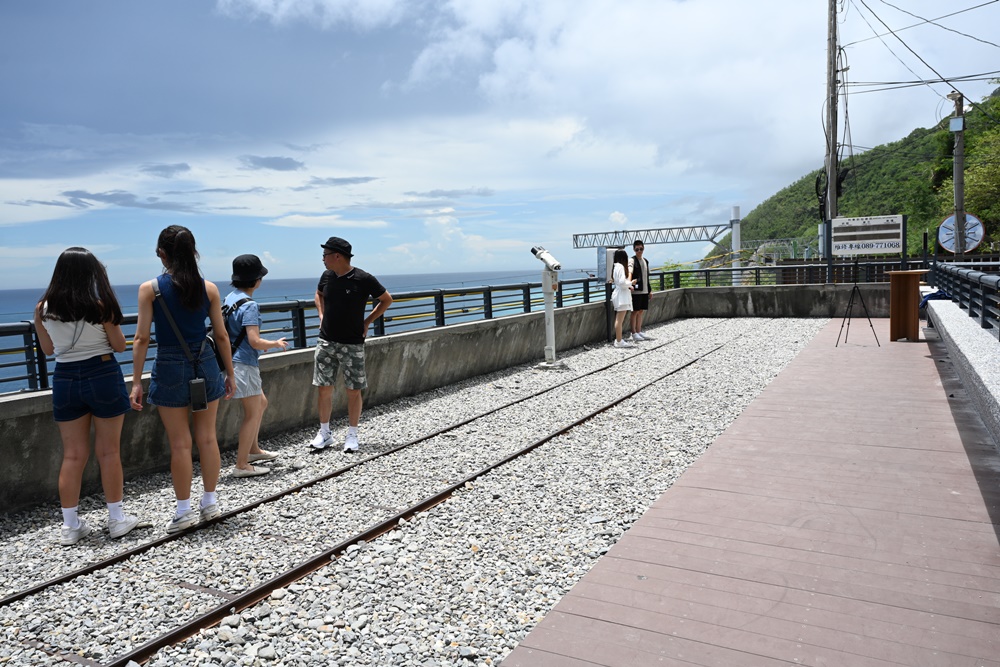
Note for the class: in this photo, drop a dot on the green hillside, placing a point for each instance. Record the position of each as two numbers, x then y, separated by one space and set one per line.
912 176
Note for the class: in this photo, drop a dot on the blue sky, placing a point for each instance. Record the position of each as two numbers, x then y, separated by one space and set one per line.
435 135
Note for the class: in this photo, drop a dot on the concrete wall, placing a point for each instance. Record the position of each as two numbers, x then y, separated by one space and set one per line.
974 352
398 365
785 301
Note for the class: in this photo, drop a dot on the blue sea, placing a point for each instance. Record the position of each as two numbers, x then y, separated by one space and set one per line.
17 305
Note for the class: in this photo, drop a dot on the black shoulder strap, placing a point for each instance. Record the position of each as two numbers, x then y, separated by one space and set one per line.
227 310
158 298
243 332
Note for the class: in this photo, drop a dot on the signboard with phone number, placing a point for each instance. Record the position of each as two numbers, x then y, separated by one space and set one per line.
873 235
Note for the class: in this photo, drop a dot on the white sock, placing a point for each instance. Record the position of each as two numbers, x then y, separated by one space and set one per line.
70 518
183 507
352 430
115 511
208 499
324 428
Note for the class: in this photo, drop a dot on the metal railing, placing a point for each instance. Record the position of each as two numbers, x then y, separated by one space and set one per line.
23 367
976 292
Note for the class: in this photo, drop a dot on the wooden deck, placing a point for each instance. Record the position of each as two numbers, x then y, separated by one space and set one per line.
849 517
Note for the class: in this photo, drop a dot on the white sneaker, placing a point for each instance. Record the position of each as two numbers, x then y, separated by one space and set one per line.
183 522
209 512
638 336
351 444
624 343
70 536
322 440
123 527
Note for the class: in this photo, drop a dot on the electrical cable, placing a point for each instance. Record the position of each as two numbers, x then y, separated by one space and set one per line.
928 65
931 21
961 11
982 76
910 85
865 18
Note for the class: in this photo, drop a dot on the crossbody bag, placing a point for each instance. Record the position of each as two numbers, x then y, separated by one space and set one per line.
199 394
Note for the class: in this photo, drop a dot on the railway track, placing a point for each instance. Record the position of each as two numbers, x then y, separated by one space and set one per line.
406 506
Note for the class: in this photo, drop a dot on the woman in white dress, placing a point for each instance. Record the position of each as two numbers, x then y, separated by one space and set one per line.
621 295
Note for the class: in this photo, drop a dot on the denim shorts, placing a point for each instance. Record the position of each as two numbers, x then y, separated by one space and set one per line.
168 384
94 386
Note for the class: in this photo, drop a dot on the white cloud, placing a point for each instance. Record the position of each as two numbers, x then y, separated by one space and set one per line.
324 221
618 219
444 240
49 250
368 14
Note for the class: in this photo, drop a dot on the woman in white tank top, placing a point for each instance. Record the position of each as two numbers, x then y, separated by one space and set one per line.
78 319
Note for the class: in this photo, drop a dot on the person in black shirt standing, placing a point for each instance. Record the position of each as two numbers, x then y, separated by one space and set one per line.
341 298
639 268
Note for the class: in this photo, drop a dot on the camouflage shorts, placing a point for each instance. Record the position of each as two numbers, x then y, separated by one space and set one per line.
330 357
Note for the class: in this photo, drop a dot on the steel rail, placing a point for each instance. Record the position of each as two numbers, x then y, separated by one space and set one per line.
262 591
152 544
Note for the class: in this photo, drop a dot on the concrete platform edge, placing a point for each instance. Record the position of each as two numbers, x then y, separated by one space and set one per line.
974 351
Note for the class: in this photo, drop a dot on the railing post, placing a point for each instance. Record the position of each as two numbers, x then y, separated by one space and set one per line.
380 326
663 278
677 279
984 321
34 359
526 290
559 295
488 303
756 276
439 308
586 291
299 327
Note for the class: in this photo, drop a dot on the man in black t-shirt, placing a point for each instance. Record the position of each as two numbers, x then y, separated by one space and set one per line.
341 298
638 268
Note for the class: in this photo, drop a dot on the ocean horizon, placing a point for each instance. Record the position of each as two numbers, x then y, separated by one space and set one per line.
18 304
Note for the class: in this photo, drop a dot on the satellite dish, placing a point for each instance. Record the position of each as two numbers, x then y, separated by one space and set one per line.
974 232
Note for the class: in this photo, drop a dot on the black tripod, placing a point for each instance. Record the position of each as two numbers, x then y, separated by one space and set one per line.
850 307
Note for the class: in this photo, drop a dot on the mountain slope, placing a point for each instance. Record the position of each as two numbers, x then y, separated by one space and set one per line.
911 176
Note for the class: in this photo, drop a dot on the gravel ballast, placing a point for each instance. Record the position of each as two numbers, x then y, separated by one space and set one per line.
459 584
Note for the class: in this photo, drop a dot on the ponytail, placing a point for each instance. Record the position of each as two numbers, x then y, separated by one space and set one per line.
178 248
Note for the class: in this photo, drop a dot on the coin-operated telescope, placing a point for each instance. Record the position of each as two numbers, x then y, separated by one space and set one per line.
550 282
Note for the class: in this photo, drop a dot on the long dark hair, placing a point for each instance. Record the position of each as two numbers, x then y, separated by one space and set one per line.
80 290
621 257
176 246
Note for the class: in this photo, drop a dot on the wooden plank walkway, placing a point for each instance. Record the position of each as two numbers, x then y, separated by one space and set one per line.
849 517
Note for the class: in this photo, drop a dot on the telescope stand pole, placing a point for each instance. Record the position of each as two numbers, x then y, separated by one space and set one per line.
550 279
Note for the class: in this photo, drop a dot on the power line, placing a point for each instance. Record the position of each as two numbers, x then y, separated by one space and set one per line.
926 64
888 47
915 84
961 11
982 76
931 21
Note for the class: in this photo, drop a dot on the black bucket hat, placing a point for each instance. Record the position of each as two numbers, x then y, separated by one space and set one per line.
247 268
337 244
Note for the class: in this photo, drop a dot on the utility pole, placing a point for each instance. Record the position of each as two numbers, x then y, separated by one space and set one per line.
957 126
831 115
